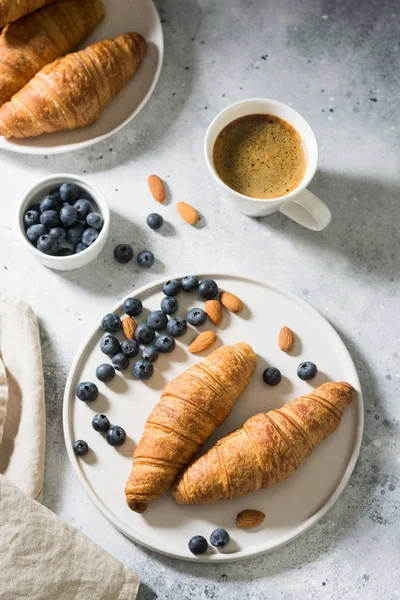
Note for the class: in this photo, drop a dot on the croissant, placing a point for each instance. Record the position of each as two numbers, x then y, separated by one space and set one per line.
72 91
36 40
190 409
11 10
266 449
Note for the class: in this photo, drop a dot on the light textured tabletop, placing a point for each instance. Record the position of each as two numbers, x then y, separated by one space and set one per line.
338 64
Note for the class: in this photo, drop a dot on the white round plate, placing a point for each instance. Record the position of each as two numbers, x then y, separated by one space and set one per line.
121 16
290 507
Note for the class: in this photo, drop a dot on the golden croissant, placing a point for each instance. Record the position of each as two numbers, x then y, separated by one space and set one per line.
32 42
72 91
192 406
11 10
266 449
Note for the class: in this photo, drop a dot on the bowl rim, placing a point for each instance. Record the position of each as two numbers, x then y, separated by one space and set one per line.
56 178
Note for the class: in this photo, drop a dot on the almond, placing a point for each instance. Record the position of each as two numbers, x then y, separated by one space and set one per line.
286 339
249 518
204 340
214 311
129 327
188 213
231 302
157 188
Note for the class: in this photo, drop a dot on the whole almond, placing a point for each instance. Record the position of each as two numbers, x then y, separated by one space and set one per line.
231 302
157 188
286 339
204 340
213 309
129 327
188 213
249 518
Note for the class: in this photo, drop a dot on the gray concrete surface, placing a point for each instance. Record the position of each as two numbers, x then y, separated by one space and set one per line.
338 64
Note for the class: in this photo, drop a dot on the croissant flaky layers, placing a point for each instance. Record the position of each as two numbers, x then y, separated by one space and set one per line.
11 10
32 42
72 91
191 407
266 450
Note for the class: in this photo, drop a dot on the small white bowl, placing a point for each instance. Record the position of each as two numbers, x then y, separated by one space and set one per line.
75 261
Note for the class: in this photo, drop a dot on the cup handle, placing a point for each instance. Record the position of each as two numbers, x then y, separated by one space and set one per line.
307 210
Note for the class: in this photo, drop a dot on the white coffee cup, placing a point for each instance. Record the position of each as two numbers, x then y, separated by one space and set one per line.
300 204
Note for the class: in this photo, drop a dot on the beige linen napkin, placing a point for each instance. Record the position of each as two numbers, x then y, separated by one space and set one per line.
22 409
41 557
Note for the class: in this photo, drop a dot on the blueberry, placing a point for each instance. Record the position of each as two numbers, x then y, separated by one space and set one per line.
219 538
100 423
157 320
94 220
165 344
150 353
80 247
58 233
35 231
196 317
87 391
80 448
176 327
105 372
120 362
172 287
50 218
198 544
74 233
32 217
154 221
143 369
116 436
133 307
65 252
83 207
144 333
50 202
307 370
89 236
272 376
169 305
55 192
69 192
123 253
110 345
145 258
111 323
130 348
68 215
47 244
190 283
208 289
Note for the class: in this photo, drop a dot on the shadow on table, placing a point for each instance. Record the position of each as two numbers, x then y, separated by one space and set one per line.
56 459
156 118
364 227
104 276
361 500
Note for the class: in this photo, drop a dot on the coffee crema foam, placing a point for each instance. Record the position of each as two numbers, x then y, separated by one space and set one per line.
260 156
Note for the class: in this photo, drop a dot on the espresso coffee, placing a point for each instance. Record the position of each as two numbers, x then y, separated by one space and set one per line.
260 156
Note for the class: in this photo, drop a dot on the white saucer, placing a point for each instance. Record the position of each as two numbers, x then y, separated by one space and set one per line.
121 16
291 507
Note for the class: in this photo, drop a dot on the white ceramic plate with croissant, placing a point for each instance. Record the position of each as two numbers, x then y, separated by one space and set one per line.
290 507
121 16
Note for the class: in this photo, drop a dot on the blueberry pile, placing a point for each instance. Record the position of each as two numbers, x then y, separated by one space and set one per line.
64 223
199 545
305 371
153 337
